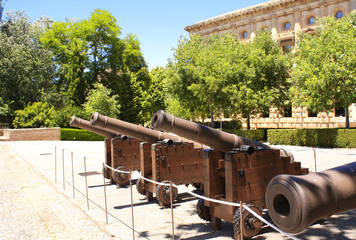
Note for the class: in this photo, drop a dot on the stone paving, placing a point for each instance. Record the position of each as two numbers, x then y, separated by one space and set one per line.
30 208
35 205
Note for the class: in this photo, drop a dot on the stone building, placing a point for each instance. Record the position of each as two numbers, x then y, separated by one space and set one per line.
284 18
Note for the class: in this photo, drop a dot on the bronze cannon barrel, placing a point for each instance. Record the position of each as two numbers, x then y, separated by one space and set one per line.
296 202
130 129
84 124
214 138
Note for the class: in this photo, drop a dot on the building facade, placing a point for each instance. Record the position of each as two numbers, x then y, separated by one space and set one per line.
285 19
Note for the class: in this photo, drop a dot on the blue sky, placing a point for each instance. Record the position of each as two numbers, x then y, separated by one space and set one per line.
158 24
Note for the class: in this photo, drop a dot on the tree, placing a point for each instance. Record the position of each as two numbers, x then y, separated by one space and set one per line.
1 9
257 76
90 51
184 78
324 73
100 100
152 98
26 66
35 115
221 72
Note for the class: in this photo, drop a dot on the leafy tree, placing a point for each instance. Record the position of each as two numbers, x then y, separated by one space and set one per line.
90 51
1 9
99 100
152 98
64 114
26 66
36 115
221 72
257 76
182 73
324 74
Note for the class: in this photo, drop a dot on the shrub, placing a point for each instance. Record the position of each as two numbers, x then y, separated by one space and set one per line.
331 137
70 134
36 115
256 134
64 114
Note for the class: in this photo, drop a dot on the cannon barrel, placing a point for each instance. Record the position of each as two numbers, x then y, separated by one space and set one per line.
296 202
84 124
132 130
214 138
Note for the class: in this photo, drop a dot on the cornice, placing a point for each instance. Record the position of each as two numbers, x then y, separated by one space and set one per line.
239 13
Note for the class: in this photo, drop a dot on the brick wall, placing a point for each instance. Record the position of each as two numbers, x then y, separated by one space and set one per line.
34 134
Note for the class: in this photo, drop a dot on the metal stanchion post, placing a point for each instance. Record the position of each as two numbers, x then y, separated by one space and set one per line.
86 181
132 212
106 206
55 164
73 176
64 183
171 199
241 224
314 159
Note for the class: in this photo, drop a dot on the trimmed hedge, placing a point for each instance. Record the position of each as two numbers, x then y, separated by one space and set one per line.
256 134
330 137
70 134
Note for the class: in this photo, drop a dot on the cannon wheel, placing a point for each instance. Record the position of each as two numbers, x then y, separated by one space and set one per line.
202 210
121 178
251 224
140 186
163 194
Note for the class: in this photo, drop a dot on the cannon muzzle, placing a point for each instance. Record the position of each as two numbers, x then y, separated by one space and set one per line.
132 130
214 138
84 124
296 202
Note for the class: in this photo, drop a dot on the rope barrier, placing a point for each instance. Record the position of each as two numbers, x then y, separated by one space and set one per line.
210 200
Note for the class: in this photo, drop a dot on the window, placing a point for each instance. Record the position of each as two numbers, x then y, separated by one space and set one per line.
287 25
287 48
311 20
339 112
245 34
312 114
339 14
287 111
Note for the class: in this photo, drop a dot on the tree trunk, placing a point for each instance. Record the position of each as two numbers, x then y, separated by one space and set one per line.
347 117
248 121
211 115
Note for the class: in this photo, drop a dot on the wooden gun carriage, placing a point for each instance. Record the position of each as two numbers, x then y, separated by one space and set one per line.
235 169
155 154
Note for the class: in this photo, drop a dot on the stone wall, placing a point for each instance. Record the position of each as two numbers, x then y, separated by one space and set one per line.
33 134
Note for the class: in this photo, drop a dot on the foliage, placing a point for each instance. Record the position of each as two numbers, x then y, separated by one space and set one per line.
100 100
256 134
219 71
26 67
64 114
88 51
70 134
324 73
152 99
344 138
35 115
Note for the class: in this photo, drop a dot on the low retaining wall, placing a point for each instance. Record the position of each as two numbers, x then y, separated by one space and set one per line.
33 134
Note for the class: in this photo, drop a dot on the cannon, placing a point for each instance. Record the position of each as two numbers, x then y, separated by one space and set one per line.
296 202
235 169
84 124
157 155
